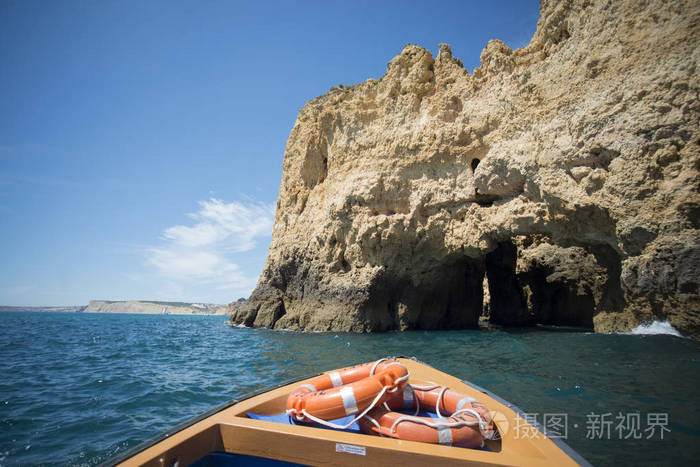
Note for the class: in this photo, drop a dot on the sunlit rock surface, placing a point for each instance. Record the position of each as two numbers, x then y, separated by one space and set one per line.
566 171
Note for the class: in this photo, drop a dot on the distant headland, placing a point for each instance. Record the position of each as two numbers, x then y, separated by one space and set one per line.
39 309
155 307
148 307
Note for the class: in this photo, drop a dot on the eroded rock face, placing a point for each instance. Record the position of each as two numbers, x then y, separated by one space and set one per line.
566 171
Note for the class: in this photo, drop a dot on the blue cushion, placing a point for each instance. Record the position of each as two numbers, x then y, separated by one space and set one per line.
286 419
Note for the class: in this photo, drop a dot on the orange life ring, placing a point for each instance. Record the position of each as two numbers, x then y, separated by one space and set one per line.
464 421
347 391
449 401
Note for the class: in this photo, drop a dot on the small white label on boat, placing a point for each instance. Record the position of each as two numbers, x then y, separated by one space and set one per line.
349 448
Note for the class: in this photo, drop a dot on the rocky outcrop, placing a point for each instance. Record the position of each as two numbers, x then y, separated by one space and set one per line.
565 172
154 308
232 307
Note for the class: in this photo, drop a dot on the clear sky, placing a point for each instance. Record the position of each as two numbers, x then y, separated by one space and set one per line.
141 142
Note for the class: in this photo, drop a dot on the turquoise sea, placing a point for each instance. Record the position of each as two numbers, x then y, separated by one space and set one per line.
77 389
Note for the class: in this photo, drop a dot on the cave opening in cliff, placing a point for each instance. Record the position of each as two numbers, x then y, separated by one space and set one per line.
454 298
524 289
555 302
446 296
475 163
465 294
506 301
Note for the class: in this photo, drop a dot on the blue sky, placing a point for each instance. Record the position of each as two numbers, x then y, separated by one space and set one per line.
141 142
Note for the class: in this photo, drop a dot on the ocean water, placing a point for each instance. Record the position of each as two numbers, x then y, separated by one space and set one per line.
77 389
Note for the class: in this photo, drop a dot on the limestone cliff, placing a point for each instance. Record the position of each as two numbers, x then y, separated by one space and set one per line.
566 172
154 308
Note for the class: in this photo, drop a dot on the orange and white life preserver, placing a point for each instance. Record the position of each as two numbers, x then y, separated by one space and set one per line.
347 392
439 399
463 421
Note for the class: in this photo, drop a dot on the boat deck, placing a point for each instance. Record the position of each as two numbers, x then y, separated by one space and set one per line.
230 430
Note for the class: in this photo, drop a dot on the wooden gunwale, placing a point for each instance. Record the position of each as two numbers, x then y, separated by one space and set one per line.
226 428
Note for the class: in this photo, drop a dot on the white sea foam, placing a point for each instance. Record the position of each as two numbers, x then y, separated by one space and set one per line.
656 327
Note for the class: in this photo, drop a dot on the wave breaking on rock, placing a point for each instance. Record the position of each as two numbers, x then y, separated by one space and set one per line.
656 327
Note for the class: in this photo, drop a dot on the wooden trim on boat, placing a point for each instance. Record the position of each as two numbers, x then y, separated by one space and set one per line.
227 428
